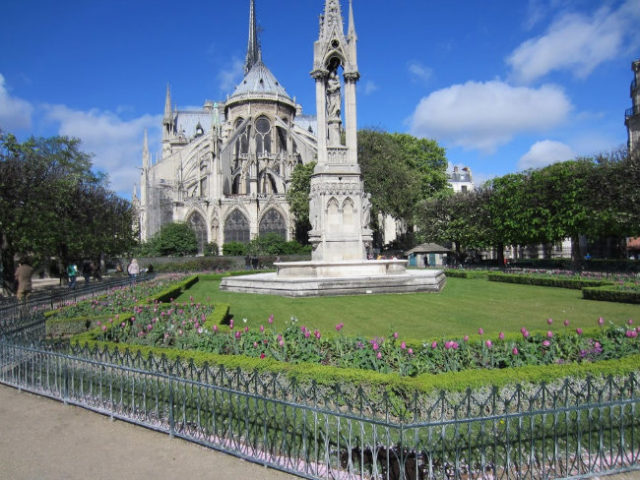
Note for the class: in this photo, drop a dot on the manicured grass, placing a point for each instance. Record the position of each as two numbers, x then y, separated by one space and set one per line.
461 308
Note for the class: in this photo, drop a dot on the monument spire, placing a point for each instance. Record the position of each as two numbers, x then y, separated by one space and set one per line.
352 25
167 104
145 151
254 55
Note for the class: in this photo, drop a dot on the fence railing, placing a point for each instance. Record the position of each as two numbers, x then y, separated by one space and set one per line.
571 429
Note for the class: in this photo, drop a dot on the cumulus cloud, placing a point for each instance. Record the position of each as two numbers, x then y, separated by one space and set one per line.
545 153
369 87
485 115
115 143
15 113
231 76
578 42
419 72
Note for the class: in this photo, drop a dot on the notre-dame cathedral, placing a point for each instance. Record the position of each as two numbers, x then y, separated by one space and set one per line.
225 169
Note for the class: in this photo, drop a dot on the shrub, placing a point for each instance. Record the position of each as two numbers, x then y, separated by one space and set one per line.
234 248
612 294
575 283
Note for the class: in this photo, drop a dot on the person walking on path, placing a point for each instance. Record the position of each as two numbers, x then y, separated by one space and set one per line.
72 273
23 279
133 270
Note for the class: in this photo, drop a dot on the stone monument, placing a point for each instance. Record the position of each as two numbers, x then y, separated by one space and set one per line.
338 205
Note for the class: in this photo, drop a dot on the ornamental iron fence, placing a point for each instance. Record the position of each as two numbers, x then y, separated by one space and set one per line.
575 428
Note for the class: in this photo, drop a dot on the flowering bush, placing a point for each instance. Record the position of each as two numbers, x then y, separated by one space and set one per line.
185 326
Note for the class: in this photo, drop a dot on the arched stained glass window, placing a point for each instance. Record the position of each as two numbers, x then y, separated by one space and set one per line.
236 228
273 222
199 226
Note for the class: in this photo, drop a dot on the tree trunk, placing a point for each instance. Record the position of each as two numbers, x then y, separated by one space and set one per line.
576 254
500 251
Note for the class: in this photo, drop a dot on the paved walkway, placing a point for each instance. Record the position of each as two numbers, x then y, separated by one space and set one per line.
43 439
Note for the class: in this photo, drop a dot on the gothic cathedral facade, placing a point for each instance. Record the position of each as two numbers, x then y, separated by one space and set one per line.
225 169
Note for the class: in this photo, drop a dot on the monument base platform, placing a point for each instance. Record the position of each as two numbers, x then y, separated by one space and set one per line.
315 279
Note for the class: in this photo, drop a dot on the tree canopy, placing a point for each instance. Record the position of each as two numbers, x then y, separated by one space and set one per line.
53 204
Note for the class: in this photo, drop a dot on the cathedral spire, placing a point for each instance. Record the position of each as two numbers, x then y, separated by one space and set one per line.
332 19
254 55
145 151
352 26
167 106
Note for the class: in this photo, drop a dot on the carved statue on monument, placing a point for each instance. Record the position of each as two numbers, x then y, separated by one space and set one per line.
334 98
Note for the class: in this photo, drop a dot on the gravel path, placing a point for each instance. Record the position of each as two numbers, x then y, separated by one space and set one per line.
43 439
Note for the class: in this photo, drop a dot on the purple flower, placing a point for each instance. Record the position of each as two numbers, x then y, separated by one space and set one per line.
339 327
525 334
579 331
630 321
549 321
448 345
434 345
270 319
515 350
501 335
255 344
546 343
261 328
489 343
281 343
522 330
238 334
480 331
215 328
379 356
104 328
466 338
566 323
601 321
395 334
403 345
375 346
549 334
317 334
410 351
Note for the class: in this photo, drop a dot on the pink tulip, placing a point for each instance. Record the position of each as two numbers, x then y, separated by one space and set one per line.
489 344
410 351
525 334
270 319
630 321
375 346
261 328
379 356
546 343
480 331
579 331
395 334
501 335
403 345
566 323
601 321
434 345
466 338
549 321
549 334
515 351
215 328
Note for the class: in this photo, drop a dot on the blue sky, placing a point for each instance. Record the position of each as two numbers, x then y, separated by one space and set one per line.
504 85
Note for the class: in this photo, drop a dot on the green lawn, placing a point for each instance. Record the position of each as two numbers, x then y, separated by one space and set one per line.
461 308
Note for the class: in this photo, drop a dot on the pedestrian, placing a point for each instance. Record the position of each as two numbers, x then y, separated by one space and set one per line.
72 273
23 280
86 271
133 270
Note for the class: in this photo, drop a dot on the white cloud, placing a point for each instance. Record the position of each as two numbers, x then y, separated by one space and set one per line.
369 87
578 43
419 72
15 113
230 77
483 116
545 153
115 143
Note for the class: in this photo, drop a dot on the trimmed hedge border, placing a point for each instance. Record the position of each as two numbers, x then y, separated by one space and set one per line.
332 376
454 273
572 283
173 291
611 294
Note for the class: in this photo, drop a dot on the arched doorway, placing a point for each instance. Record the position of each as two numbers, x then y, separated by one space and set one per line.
236 228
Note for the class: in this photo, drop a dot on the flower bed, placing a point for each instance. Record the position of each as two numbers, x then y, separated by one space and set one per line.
189 326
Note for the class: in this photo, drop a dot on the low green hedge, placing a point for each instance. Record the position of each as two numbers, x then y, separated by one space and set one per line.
64 327
466 273
174 291
611 294
555 281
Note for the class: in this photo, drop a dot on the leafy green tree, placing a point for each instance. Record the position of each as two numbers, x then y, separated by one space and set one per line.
298 198
234 248
52 204
175 239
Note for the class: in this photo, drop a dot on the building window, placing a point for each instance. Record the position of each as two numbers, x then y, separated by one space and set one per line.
273 222
199 226
236 228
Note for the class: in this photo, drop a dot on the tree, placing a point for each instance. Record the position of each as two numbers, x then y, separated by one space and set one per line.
53 204
399 172
298 198
174 239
